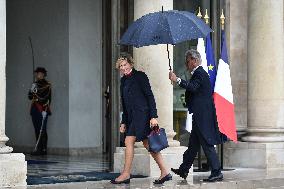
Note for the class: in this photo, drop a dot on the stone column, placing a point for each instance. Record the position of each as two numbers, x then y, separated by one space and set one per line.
3 138
265 133
266 71
13 168
153 61
236 30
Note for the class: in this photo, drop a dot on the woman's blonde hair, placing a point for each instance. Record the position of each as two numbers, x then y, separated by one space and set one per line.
122 57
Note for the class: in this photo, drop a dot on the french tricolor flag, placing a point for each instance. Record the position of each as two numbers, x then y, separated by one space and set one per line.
223 96
201 50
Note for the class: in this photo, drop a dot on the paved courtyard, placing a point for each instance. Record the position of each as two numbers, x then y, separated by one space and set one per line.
238 178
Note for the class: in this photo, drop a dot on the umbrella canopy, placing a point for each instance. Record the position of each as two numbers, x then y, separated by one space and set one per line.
165 27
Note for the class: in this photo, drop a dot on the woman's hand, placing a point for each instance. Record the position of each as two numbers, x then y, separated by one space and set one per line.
153 122
122 128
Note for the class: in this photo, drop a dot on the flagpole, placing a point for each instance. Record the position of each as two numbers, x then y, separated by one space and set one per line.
199 15
226 76
206 17
222 19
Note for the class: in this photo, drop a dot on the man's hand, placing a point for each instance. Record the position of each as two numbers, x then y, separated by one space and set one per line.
172 76
153 122
43 113
122 128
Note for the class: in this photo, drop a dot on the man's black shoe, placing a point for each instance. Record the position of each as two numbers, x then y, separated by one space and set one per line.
164 179
180 173
43 152
36 153
39 153
214 178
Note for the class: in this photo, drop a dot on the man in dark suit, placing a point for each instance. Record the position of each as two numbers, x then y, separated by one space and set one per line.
204 123
40 95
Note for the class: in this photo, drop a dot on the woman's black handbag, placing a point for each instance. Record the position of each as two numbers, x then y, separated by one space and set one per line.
157 140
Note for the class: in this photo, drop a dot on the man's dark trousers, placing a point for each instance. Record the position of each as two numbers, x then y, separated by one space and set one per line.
195 140
37 122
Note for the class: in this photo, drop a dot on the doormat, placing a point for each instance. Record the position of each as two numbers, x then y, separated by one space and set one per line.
74 177
38 162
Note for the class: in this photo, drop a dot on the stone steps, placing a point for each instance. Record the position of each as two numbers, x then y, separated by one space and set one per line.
273 183
280 187
146 183
239 178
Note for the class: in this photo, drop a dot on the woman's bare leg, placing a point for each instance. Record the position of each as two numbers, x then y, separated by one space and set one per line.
159 160
129 153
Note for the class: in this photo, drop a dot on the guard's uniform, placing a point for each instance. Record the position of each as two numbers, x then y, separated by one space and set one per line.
40 94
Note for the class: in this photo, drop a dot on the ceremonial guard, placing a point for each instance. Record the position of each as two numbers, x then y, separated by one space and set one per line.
40 95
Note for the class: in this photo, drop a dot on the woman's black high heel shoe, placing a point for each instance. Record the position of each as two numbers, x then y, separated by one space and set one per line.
126 181
164 179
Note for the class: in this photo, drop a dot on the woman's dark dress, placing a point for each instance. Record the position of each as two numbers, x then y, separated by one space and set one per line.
138 103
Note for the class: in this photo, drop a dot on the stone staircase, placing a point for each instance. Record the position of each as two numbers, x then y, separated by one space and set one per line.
236 179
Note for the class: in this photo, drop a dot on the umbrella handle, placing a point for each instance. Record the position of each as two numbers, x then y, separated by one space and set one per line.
170 68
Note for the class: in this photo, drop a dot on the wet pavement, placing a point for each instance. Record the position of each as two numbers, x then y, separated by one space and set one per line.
49 166
236 179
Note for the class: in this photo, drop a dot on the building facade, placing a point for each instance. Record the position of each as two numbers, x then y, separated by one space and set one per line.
78 43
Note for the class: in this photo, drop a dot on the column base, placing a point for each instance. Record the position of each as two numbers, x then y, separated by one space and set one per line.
144 164
13 170
254 155
264 135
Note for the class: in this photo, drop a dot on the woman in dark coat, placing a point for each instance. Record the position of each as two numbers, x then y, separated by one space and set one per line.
139 116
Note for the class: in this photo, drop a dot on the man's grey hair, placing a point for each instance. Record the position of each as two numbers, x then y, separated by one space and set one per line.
194 54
